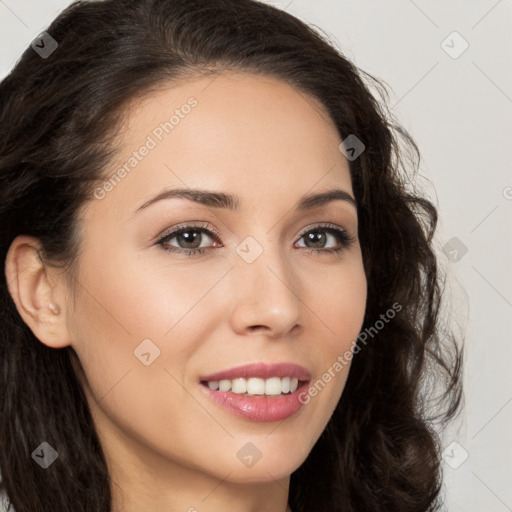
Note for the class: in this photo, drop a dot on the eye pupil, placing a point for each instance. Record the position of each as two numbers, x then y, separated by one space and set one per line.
317 237
190 239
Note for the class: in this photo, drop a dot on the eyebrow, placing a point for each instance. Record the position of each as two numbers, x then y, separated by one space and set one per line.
231 202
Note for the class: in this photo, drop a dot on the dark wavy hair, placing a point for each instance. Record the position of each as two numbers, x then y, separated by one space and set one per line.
59 118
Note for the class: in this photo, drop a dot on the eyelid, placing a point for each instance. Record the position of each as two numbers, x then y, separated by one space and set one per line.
345 236
323 225
205 225
188 225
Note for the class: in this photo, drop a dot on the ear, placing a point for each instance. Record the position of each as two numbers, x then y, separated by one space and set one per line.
38 292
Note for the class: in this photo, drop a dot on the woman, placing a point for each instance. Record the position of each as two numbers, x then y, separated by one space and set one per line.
220 288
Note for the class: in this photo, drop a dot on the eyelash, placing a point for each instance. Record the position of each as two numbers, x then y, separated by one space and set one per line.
343 236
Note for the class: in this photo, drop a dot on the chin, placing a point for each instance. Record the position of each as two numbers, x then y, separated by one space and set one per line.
279 465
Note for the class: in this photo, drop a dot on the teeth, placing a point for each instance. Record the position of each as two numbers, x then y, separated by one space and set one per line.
273 386
224 385
239 386
255 386
285 385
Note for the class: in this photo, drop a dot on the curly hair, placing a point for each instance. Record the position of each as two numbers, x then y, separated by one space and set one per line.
59 118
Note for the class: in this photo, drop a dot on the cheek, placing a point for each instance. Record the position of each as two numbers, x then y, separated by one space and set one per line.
142 297
130 310
339 300
127 307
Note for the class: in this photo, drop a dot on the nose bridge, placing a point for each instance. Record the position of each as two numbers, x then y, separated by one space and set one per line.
265 292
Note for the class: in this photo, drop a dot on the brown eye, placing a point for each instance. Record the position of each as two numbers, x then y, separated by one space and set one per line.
188 240
318 237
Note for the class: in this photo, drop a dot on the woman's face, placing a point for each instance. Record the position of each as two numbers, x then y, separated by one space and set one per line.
150 320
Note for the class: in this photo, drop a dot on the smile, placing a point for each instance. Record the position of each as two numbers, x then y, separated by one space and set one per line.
258 392
274 386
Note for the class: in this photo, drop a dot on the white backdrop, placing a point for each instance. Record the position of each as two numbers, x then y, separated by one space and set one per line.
449 65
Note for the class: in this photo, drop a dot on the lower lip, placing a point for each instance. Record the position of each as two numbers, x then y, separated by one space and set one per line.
258 408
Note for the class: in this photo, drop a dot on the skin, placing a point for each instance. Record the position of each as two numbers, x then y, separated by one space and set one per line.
169 447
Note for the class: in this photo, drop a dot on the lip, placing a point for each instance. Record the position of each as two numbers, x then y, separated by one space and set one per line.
262 371
260 408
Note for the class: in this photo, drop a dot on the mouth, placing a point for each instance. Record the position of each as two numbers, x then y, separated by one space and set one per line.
254 386
258 392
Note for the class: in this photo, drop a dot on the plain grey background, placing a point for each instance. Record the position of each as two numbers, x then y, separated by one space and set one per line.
449 67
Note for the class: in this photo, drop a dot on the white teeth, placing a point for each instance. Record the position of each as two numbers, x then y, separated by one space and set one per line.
273 386
224 385
255 386
285 385
239 386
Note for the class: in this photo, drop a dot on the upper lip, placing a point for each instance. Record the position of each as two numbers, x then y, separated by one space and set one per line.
262 371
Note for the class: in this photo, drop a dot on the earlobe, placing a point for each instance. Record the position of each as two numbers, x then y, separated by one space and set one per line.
35 293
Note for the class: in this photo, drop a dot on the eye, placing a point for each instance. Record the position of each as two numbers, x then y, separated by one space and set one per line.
189 237
319 236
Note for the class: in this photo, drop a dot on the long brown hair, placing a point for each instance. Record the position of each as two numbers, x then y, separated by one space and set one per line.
58 119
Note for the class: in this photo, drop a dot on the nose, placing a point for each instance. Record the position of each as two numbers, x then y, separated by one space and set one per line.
265 296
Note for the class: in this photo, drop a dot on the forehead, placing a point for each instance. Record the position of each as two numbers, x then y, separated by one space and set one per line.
246 134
